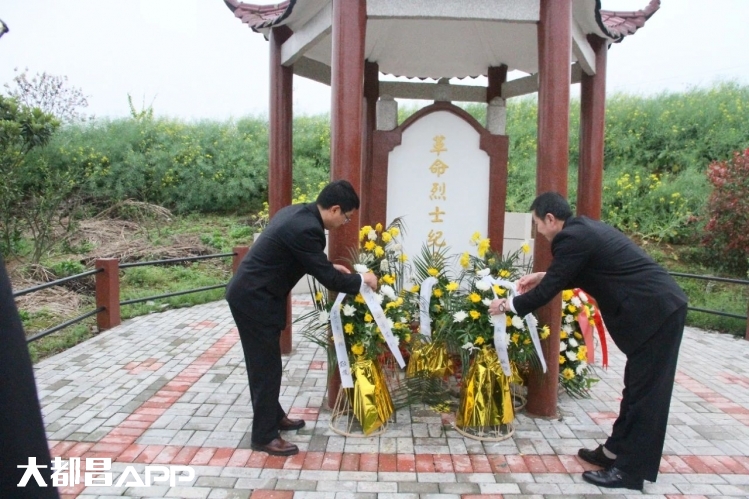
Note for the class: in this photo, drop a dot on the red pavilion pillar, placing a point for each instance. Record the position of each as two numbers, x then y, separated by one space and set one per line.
371 94
280 147
592 123
347 87
554 55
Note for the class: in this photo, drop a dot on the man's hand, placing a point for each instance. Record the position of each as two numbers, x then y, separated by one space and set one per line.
370 280
341 268
498 306
530 281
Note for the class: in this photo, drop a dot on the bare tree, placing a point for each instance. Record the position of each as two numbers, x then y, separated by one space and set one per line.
50 93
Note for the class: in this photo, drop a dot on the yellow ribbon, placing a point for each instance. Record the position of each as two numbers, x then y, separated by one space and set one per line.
485 399
370 396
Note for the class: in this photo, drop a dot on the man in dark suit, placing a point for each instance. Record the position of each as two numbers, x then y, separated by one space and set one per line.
644 310
21 427
292 245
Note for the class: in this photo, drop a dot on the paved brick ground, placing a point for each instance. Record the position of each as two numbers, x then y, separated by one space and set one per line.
171 389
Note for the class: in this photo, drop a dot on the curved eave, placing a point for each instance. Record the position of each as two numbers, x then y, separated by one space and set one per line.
617 24
260 17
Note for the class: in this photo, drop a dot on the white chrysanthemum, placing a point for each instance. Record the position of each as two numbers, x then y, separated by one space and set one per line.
388 291
518 323
487 301
580 369
403 320
567 328
394 247
562 346
460 316
468 346
360 269
324 317
483 272
568 318
576 302
483 285
379 298
583 296
372 236
571 355
349 310
391 324
573 342
384 266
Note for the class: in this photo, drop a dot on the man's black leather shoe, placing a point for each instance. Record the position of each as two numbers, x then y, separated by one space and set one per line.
596 457
277 447
613 478
287 424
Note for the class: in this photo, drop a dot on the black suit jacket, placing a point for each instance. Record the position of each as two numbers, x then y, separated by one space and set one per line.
635 294
292 245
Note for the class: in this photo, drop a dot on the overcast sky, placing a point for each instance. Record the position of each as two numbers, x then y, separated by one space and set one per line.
193 60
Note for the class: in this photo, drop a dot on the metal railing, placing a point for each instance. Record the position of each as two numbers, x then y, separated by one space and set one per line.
108 289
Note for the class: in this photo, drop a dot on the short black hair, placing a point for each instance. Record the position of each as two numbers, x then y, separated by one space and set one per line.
338 192
551 202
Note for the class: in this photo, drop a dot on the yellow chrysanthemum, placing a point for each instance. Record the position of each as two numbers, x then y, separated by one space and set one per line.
437 308
582 352
390 305
504 273
394 231
399 301
568 373
359 298
465 260
415 288
483 247
475 314
567 294
562 335
386 237
348 328
475 237
452 286
508 320
515 338
318 296
474 297
499 290
526 248
388 279
369 245
364 231
357 349
562 359
437 292
527 341
378 227
571 309
433 272
545 332
479 341
368 317
378 251
403 258
578 335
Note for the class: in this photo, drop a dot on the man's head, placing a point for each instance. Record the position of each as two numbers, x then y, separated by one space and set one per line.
550 210
337 202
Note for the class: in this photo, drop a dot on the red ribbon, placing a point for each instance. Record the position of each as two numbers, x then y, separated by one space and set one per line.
587 330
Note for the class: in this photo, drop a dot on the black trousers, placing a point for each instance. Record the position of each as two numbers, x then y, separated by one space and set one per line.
262 356
640 430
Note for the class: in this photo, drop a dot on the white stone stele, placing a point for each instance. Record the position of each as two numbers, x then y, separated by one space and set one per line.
466 183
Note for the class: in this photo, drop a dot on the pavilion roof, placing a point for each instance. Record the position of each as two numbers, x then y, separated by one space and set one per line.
445 45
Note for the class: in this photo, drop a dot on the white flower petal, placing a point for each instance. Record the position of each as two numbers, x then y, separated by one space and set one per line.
349 310
483 272
571 355
562 346
518 323
460 316
372 236
483 286
487 301
573 343
324 317
384 266
576 301
360 269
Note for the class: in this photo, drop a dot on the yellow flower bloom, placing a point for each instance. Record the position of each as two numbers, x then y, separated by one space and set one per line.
388 279
318 296
475 314
359 298
378 227
515 338
526 248
348 328
562 335
582 352
499 290
378 251
369 245
465 260
475 237
508 320
479 341
567 294
545 332
433 272
399 301
407 338
452 286
364 231
437 292
572 309
562 359
437 308
527 341
415 288
403 258
357 349
483 247
568 373
578 335
394 231
386 237
504 273
368 317
474 297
